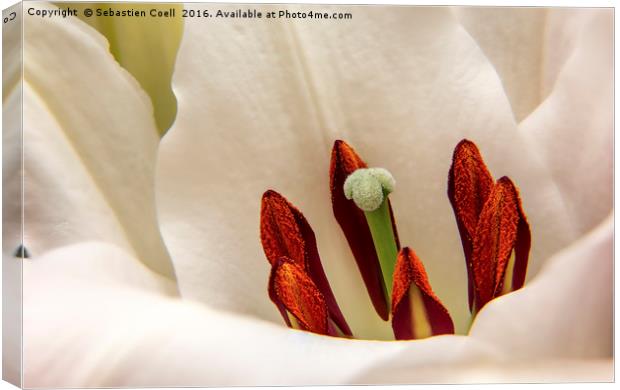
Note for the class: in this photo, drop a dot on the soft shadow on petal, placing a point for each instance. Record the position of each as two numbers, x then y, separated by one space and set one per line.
513 40
565 311
93 262
146 47
528 46
572 130
11 172
11 197
417 362
564 29
531 371
260 106
90 145
94 317
11 144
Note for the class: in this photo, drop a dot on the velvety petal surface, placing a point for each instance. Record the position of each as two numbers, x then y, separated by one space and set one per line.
397 371
512 38
262 103
90 146
96 317
572 129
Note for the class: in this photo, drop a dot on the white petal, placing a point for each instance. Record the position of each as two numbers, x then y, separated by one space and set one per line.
11 172
565 28
396 371
573 128
11 197
513 40
146 47
93 262
95 318
11 134
566 311
90 145
260 106
11 211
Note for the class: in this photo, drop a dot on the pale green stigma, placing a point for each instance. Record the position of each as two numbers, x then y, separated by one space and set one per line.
368 187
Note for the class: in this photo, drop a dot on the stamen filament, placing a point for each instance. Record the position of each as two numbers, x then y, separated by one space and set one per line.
294 323
369 189
380 224
421 324
417 312
335 330
507 285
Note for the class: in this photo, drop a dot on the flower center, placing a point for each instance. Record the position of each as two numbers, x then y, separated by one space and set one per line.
494 232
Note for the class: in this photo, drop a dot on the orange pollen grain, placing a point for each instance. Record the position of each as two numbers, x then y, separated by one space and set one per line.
301 297
472 183
279 231
344 160
495 239
409 270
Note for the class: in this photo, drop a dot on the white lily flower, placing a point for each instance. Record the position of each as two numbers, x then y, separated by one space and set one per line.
259 105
